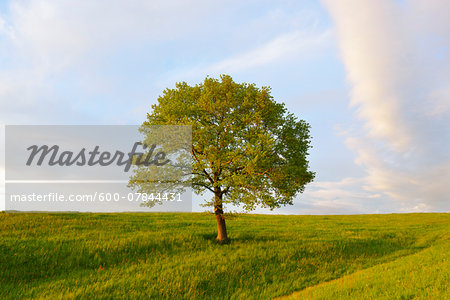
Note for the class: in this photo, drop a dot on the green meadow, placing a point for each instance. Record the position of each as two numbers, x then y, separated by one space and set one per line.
174 256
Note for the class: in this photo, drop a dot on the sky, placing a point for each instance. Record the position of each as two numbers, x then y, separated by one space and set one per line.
371 77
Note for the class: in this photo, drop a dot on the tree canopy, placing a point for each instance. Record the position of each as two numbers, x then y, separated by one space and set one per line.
247 149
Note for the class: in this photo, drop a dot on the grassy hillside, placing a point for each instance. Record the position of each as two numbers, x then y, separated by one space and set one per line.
174 255
424 275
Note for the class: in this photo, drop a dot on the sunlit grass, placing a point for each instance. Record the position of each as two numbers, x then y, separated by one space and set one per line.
174 255
423 275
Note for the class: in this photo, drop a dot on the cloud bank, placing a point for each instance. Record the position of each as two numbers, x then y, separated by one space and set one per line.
397 60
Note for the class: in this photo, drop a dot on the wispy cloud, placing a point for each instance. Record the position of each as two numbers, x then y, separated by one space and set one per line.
348 195
285 47
399 75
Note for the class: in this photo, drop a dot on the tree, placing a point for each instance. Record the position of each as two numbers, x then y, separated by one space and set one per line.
246 148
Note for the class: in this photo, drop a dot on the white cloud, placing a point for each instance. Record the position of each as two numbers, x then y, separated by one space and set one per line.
347 196
60 31
399 75
285 47
42 41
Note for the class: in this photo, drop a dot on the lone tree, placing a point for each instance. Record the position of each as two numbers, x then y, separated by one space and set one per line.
246 148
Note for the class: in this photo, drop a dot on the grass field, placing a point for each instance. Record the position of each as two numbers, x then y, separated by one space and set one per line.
163 255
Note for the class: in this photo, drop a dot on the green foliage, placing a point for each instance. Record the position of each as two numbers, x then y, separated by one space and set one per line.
174 256
245 146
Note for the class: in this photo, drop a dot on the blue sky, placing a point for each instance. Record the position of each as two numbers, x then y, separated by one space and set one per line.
371 77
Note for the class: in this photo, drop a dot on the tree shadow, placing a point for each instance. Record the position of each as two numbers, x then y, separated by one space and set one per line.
209 236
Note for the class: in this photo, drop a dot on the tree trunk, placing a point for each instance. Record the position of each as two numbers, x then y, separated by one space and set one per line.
222 237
